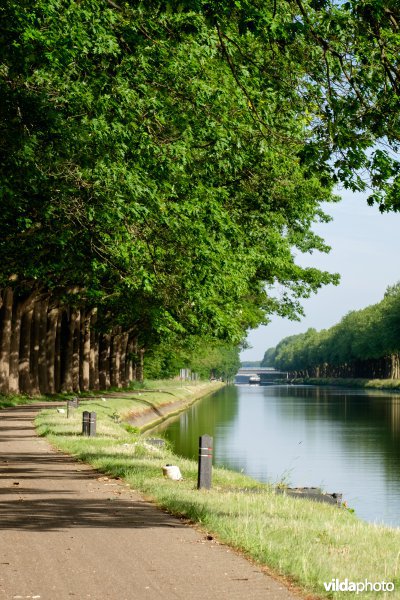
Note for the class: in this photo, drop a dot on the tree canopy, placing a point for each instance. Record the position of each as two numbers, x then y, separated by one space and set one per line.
138 174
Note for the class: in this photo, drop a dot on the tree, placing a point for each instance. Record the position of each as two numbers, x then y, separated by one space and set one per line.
145 182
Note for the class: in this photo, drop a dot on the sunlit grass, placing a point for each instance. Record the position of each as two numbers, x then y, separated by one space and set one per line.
8 401
304 541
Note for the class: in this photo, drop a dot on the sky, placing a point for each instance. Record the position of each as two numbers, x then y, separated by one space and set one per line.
365 251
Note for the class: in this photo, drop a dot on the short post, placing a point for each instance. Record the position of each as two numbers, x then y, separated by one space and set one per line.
205 462
85 422
88 423
92 424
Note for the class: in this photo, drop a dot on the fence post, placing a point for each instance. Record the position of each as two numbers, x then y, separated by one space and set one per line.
205 462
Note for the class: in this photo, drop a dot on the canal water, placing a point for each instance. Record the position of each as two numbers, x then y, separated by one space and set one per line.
345 441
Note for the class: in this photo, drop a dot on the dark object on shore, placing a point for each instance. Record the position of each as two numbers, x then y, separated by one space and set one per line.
157 442
312 493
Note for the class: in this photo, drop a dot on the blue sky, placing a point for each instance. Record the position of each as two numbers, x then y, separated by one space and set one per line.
366 253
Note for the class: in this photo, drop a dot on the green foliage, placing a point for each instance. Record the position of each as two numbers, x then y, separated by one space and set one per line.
131 428
205 357
370 333
344 80
250 363
164 161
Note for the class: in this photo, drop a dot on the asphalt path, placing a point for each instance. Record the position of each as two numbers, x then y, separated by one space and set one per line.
69 533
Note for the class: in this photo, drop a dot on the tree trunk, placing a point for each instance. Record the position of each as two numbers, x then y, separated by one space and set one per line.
122 368
42 359
129 359
5 339
35 344
94 353
67 379
104 361
84 368
19 308
57 353
51 334
24 352
140 366
115 359
13 378
76 352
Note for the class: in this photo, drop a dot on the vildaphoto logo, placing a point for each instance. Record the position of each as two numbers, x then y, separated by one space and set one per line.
358 586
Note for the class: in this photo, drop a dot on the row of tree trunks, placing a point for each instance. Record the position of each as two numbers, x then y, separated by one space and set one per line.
48 348
385 367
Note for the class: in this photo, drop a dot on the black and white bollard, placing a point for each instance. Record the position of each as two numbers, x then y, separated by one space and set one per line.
205 462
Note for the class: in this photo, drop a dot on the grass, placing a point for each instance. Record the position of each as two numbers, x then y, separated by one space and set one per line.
16 400
377 384
305 542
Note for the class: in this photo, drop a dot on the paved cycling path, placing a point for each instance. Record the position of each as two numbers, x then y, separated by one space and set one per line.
67 532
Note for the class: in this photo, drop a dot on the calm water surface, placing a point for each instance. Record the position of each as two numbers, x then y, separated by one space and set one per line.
342 440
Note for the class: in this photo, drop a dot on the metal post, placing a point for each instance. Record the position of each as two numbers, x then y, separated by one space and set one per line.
92 424
89 423
85 422
205 462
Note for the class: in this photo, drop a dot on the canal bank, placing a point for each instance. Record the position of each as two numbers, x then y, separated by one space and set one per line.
373 384
306 543
345 441
174 399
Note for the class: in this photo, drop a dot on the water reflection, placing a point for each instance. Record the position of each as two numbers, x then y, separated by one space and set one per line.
343 440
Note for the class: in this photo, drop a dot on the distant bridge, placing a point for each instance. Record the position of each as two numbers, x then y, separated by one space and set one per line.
266 374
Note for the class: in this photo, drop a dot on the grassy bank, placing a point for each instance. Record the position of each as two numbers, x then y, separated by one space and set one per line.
305 542
163 393
376 384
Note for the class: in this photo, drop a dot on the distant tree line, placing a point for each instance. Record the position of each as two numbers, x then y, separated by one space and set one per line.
365 344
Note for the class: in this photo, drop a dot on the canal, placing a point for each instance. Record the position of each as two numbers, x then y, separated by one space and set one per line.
344 441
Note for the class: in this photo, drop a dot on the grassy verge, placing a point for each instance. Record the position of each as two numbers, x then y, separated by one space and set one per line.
377 384
305 542
11 400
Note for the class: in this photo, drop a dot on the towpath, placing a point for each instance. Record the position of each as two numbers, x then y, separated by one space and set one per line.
67 532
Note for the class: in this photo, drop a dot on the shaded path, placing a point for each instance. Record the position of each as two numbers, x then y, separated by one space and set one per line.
68 532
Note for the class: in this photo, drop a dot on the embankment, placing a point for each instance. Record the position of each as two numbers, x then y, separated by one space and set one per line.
377 384
173 401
